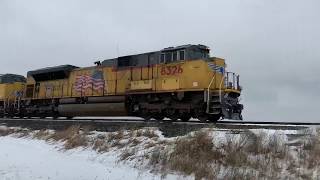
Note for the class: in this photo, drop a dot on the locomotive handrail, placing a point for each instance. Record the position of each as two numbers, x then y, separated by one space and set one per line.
208 93
220 87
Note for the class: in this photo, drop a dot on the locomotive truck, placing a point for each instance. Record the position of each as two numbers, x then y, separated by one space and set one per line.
176 82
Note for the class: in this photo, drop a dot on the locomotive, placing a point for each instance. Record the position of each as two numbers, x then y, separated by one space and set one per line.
176 82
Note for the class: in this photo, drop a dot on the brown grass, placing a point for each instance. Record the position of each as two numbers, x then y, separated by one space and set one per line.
150 133
100 145
150 145
116 136
76 141
4 131
127 153
159 158
71 136
42 134
194 155
134 142
234 150
139 132
310 151
20 133
243 156
267 152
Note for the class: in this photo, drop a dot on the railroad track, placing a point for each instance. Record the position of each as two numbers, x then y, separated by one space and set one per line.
140 120
167 127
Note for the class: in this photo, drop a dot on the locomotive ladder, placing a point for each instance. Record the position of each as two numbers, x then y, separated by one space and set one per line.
16 104
214 99
5 106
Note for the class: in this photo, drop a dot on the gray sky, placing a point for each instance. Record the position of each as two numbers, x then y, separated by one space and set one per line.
272 44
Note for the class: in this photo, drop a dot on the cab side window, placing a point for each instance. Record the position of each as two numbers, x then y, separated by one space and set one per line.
168 57
174 56
162 58
181 55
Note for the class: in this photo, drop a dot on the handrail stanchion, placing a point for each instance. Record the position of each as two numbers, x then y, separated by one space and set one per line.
220 87
208 93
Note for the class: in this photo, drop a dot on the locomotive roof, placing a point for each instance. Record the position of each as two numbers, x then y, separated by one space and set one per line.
11 78
200 46
149 58
66 67
49 73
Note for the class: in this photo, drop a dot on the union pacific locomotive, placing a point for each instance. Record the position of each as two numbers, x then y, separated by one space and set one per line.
176 82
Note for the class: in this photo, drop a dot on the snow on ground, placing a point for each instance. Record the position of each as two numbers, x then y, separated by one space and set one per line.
29 159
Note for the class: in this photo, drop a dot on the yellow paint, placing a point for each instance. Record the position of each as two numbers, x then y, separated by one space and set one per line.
194 75
11 90
170 84
51 89
141 85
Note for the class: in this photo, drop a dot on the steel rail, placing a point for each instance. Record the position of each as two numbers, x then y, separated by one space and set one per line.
168 128
140 120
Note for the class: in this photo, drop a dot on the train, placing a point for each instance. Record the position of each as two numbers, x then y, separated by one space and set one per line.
177 83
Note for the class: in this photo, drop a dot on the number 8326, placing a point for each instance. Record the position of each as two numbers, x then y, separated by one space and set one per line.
171 70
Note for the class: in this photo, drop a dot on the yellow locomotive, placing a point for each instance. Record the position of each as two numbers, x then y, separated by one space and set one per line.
11 92
176 82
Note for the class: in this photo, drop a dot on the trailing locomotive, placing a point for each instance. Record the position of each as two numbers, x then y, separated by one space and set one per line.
176 82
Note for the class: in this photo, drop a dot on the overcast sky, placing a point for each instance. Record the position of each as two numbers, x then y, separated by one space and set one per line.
272 44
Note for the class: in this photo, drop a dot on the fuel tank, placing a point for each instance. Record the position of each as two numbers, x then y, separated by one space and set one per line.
95 109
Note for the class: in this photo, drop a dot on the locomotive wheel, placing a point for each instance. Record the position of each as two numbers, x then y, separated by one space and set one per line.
147 117
185 118
174 119
214 118
158 116
203 118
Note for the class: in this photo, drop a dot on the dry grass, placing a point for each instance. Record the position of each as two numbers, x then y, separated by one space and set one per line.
139 132
100 145
42 134
310 151
159 159
4 131
194 155
116 135
149 145
258 154
234 150
76 141
132 142
22 133
127 153
71 136
150 133
246 155
242 156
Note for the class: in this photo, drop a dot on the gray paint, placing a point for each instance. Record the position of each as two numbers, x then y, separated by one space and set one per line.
192 52
11 78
